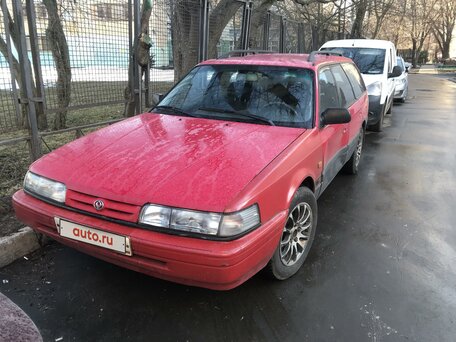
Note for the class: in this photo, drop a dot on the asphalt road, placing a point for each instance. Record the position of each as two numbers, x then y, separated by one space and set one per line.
383 266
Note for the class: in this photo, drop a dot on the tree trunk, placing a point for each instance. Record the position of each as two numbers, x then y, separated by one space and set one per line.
414 53
446 50
219 18
257 22
357 28
185 36
60 53
141 48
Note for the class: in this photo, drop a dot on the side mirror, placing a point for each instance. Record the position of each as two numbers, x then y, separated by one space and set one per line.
397 71
333 116
157 97
406 69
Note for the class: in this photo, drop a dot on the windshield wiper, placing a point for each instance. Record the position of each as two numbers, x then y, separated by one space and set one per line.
240 113
175 110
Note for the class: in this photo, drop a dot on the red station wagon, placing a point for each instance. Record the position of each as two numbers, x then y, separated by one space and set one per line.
218 181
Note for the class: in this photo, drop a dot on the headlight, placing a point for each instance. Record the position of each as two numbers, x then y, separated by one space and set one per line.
375 89
45 187
214 224
194 221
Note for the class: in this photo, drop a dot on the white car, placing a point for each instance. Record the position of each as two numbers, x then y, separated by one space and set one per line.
376 60
401 82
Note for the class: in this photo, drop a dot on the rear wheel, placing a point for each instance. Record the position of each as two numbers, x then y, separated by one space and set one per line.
351 166
297 236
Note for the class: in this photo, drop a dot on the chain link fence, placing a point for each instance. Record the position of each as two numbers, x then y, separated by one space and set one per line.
100 35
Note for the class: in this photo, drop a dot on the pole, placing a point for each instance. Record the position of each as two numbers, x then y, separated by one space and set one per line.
203 30
35 144
266 28
137 70
282 37
31 19
245 32
6 24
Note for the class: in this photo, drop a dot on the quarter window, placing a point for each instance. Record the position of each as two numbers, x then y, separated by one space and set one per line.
328 90
346 95
355 79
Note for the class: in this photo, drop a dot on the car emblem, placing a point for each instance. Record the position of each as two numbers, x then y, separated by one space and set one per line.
98 205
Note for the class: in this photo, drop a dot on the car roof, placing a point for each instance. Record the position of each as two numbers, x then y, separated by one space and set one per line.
368 43
293 60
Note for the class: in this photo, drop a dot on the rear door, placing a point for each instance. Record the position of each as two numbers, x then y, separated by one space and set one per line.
334 137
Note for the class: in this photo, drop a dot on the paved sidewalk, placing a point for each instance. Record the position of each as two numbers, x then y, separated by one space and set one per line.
15 325
428 69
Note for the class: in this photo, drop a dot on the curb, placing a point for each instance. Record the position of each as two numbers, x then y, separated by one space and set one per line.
17 245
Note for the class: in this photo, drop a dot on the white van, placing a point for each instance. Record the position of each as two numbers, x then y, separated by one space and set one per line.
376 60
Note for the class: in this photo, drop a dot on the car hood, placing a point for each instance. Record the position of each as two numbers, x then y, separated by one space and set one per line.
369 79
170 160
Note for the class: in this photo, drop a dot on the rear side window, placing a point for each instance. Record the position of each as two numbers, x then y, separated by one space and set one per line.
355 79
328 90
346 95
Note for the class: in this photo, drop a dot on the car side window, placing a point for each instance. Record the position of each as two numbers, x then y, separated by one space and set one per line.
355 79
346 94
328 90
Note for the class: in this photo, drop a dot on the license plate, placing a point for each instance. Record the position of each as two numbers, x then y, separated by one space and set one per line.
93 236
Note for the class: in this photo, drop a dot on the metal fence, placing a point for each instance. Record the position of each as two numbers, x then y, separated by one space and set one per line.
100 36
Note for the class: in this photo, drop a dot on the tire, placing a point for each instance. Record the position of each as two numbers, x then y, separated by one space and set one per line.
378 127
352 165
402 100
291 252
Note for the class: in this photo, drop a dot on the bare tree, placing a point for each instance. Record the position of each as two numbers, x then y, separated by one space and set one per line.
360 9
443 26
421 16
61 55
141 47
380 10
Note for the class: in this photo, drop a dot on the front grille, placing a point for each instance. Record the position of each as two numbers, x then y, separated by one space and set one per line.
113 209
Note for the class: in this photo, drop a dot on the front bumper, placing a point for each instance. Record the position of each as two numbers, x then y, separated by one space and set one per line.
375 110
218 265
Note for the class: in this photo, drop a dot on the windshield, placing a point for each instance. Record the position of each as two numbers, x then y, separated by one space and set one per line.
368 61
258 94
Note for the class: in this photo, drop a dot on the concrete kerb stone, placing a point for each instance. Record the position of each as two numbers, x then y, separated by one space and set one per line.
15 246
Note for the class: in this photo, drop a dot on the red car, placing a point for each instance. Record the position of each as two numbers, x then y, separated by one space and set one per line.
217 181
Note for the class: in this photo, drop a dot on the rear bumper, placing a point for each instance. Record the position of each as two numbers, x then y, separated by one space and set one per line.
219 265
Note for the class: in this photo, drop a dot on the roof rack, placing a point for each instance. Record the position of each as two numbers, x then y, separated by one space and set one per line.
243 53
312 55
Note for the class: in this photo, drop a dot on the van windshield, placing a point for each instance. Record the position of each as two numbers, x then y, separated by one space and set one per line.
368 60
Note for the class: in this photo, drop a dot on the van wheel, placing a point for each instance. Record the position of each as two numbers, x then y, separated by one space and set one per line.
351 166
297 236
378 127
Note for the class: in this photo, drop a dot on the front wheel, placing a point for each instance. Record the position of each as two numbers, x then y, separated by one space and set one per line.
297 236
378 126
